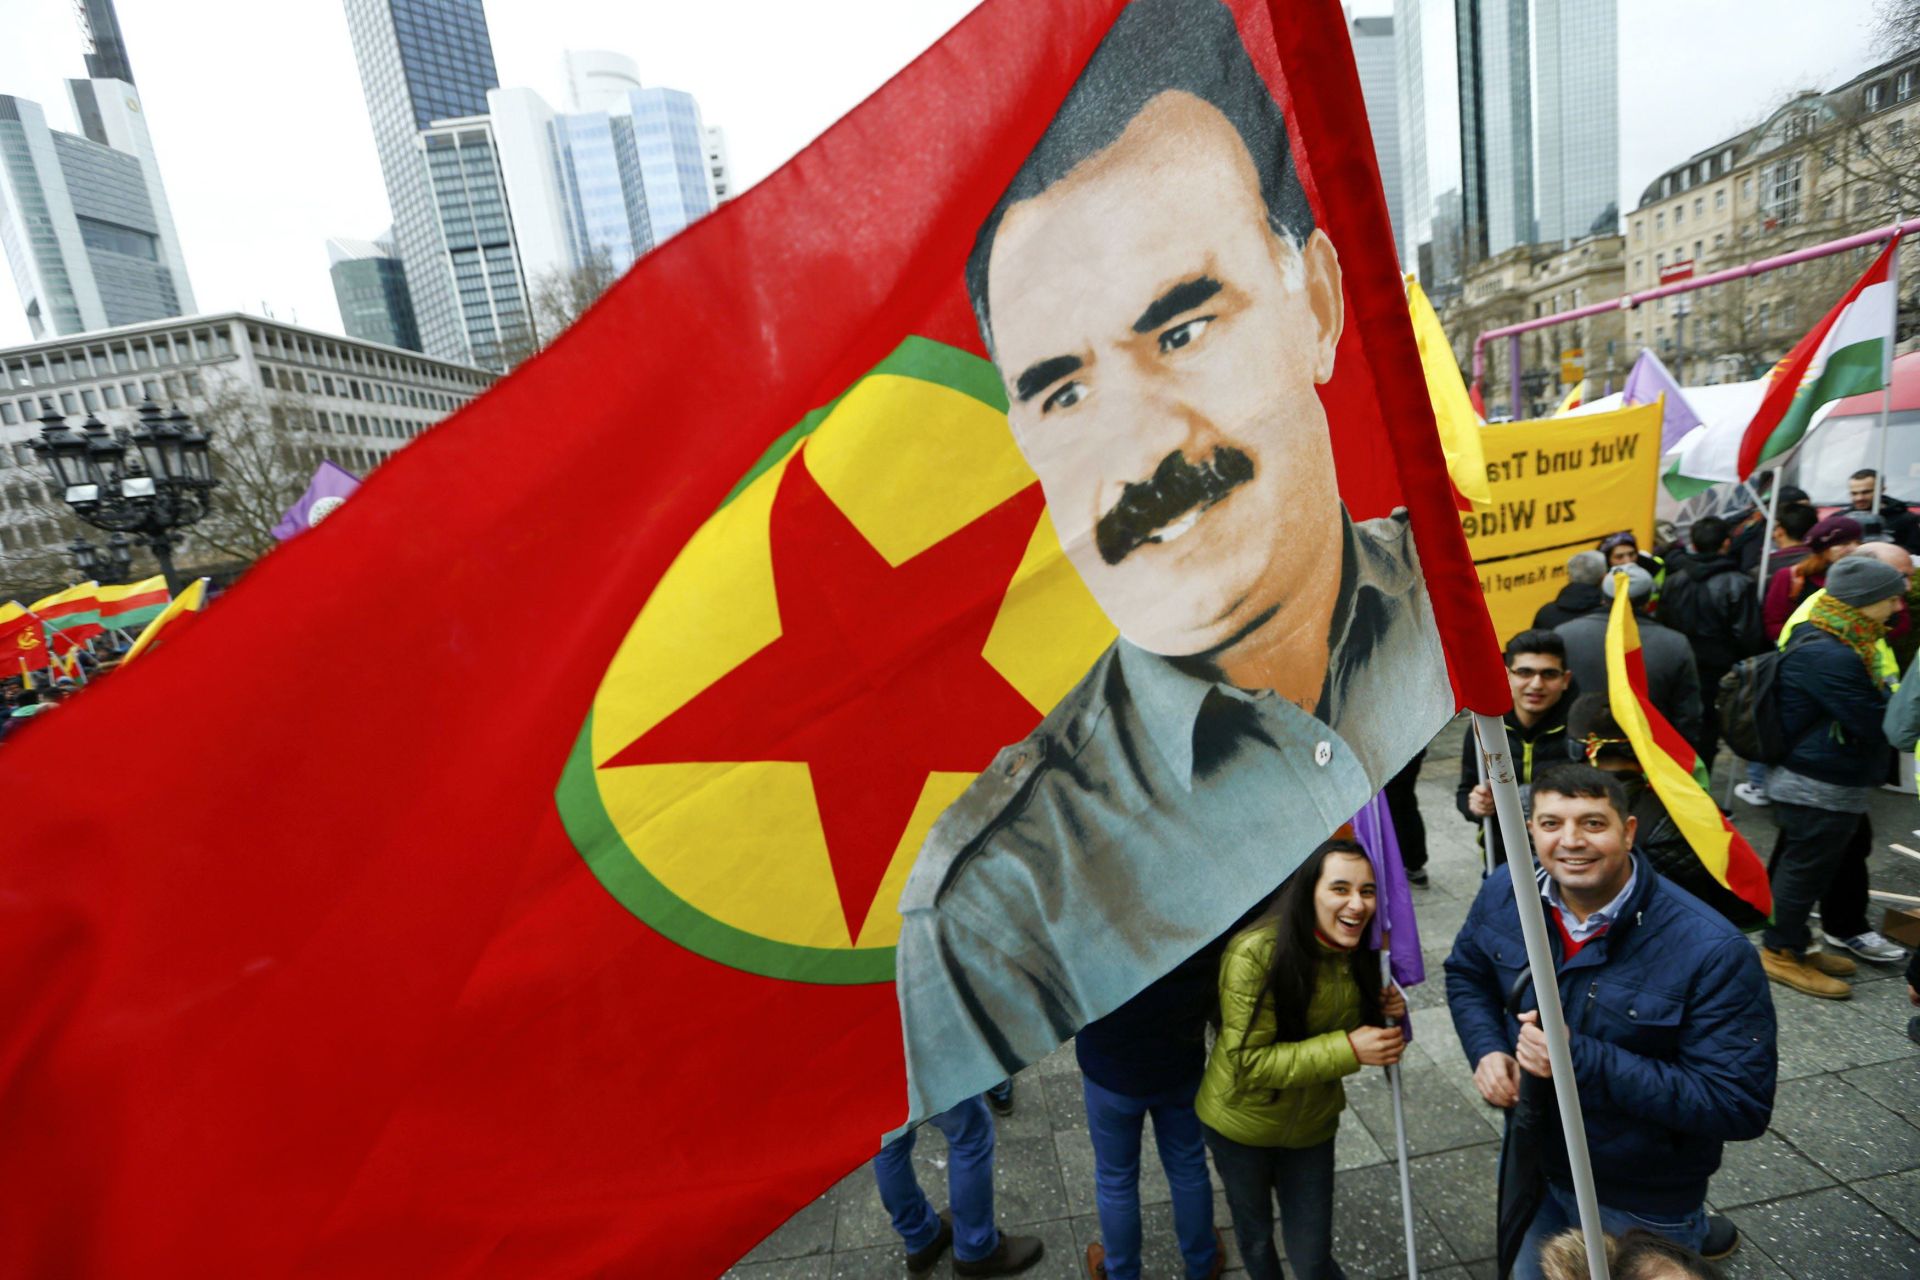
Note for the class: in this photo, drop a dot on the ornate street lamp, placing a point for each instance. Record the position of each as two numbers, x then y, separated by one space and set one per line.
148 482
86 557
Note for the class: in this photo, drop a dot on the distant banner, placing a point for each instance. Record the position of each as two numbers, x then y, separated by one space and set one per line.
1558 486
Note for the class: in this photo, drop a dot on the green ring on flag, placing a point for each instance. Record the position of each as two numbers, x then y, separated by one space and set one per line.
639 891
591 829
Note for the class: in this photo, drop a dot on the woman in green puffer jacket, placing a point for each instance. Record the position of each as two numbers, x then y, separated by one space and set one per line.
1301 1006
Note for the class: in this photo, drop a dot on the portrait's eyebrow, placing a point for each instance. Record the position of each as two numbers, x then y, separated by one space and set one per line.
1184 296
1044 374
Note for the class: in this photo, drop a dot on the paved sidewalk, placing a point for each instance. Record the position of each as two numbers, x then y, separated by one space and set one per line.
1832 1191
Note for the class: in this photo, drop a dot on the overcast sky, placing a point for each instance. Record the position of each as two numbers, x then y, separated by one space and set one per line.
262 133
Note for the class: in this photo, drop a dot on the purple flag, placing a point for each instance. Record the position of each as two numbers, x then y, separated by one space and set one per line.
1646 382
1393 910
328 489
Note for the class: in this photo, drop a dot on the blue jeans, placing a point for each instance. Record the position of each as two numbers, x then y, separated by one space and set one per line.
1302 1180
1558 1211
969 1130
1114 1121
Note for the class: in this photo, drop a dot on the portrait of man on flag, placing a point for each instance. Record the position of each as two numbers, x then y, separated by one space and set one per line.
1164 310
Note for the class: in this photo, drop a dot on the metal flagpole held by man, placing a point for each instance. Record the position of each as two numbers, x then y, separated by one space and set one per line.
1498 762
1400 1126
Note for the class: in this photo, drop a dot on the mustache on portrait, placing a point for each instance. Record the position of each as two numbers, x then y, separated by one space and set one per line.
1177 487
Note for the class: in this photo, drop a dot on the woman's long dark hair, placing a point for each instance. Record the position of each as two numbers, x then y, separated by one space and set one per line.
1296 956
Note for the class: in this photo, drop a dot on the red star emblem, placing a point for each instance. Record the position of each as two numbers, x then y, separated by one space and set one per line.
876 680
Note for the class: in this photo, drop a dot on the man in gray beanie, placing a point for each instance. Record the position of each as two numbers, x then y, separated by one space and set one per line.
1832 697
1673 681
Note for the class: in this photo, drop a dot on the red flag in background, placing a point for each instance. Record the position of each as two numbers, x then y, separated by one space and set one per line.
476 965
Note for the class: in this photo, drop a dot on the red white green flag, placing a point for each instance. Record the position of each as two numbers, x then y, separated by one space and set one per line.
1673 767
1848 352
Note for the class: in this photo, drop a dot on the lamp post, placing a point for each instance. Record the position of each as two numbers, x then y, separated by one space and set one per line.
86 557
164 482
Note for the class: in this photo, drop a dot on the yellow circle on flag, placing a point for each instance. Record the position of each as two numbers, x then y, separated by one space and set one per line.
730 857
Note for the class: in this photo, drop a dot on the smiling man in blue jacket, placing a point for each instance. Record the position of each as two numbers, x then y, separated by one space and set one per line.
1670 1022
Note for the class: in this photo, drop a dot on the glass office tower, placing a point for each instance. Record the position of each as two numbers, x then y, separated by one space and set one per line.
1496 124
470 198
422 61
1577 117
372 292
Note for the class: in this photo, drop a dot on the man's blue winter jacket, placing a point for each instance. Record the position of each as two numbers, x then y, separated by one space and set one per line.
1672 1034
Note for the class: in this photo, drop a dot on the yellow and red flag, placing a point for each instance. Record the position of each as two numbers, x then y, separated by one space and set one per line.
73 613
23 640
1674 768
131 606
185 605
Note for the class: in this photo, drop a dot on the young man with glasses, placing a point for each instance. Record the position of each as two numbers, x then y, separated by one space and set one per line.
1536 730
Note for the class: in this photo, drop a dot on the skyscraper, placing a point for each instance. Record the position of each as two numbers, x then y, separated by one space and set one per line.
1577 118
372 292
1377 60
1496 124
84 218
1410 96
595 187
422 61
470 200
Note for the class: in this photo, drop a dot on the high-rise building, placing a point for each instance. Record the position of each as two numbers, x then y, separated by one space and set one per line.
422 61
470 201
1377 60
106 49
1447 248
371 289
1410 96
597 186
1496 124
1577 118
84 218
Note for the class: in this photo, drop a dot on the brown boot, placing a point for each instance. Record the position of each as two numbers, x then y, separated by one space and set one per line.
1785 967
1096 1261
1832 963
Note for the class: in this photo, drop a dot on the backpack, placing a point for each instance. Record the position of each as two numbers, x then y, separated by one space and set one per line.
1748 706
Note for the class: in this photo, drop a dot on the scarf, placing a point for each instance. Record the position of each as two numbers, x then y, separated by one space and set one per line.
1851 627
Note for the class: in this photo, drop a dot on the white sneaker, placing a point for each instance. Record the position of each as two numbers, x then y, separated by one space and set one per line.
1751 794
1869 946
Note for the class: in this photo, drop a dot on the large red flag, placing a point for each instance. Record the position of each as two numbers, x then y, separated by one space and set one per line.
472 964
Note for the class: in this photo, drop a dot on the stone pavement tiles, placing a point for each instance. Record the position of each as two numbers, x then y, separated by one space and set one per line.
1833 1190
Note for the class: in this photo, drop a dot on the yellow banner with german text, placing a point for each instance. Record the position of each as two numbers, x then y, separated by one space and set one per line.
1558 487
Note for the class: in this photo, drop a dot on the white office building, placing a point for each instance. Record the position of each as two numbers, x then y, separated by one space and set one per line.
354 402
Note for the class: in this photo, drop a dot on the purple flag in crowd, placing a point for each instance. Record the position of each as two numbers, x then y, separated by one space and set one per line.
1393 912
328 489
1646 382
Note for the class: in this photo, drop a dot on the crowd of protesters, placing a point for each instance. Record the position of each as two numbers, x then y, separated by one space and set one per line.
1241 1051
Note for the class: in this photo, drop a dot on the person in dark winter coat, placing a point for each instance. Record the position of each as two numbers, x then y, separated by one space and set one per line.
1895 518
1672 679
1790 532
1832 700
1670 1024
1827 542
1595 736
1536 730
1717 608
1580 597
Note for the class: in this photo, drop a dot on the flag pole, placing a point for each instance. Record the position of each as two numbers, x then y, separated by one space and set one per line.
1766 534
1400 1126
1498 762
1886 389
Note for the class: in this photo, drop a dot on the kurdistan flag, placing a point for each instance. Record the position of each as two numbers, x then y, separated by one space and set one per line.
1674 769
1848 352
131 606
73 613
